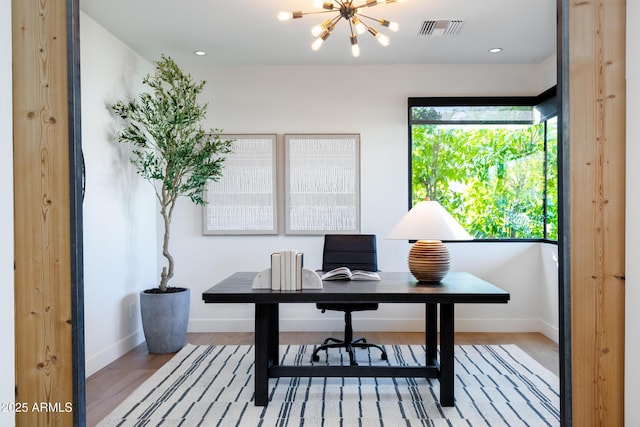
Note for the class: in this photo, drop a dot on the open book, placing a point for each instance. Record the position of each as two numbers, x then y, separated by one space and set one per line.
341 273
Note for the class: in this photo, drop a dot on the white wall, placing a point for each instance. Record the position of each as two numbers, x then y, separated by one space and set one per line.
548 72
632 337
548 292
7 328
372 101
119 208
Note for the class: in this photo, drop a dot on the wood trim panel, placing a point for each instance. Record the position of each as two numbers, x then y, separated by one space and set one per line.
43 302
597 205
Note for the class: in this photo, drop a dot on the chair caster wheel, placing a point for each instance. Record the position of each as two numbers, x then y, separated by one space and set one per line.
383 356
315 358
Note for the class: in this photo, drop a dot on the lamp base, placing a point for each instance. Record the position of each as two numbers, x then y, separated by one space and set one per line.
429 260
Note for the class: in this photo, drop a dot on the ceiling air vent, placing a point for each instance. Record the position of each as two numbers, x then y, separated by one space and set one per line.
441 27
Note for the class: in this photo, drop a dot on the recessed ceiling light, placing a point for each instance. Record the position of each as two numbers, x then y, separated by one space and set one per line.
200 53
495 50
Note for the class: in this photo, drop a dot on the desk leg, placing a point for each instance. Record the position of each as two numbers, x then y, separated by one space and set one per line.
273 337
263 351
447 376
431 332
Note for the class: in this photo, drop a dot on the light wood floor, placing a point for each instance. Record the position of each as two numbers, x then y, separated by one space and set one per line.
111 385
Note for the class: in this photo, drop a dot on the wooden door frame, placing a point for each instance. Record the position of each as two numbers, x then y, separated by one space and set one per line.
591 77
48 282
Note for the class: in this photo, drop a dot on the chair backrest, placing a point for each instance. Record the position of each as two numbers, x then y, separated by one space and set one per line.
355 251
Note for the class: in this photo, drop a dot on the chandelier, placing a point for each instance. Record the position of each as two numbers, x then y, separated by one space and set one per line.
351 13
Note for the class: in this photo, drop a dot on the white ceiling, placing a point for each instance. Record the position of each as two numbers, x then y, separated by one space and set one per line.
246 32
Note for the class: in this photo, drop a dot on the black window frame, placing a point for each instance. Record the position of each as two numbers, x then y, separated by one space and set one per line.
547 105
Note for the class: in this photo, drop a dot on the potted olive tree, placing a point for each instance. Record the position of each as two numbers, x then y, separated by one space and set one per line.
172 151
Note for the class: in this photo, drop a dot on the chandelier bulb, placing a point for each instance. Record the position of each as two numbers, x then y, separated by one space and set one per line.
316 30
359 26
355 49
393 26
285 16
321 4
317 43
382 39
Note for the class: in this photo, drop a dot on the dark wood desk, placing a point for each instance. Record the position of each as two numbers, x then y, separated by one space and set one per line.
456 288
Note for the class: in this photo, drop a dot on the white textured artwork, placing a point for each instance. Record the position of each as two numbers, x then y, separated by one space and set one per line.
244 200
322 183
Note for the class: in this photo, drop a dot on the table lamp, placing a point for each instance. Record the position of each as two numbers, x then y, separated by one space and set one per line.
429 223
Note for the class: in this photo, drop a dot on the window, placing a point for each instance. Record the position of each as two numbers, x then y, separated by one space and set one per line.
491 162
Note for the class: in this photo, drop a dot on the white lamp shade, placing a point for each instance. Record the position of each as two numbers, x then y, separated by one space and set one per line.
428 220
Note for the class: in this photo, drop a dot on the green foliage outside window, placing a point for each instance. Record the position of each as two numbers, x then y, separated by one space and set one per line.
493 179
552 179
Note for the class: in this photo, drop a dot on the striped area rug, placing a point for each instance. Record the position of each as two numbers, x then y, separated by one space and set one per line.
213 386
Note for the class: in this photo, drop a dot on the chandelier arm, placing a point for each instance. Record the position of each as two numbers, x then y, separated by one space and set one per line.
317 12
393 26
368 17
363 5
337 19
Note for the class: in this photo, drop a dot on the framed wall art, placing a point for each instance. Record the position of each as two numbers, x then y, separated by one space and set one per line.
322 183
245 199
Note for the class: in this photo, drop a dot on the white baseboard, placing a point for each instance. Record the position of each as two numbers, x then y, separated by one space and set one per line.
550 331
95 362
368 324
221 325
496 325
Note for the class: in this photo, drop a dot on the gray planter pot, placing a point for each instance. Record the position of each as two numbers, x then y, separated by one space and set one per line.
165 317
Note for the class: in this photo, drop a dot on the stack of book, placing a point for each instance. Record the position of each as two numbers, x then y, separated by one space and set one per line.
286 270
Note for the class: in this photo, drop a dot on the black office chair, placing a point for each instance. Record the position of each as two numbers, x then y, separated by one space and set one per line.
357 252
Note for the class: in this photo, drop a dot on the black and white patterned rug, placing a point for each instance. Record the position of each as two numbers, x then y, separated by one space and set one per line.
496 385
